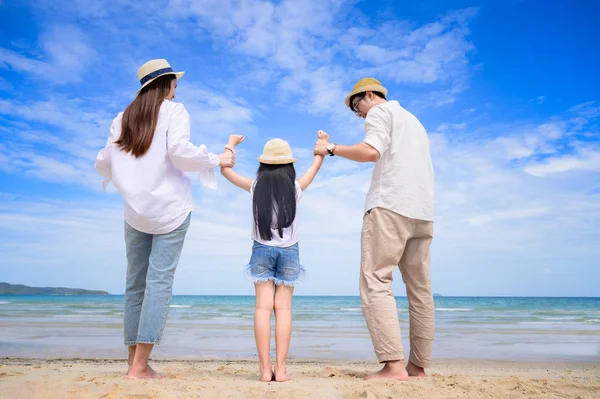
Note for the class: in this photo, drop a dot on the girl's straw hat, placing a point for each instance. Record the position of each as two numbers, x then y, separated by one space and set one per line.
277 152
363 85
153 69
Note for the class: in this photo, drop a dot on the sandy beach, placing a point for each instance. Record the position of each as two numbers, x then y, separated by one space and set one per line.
82 378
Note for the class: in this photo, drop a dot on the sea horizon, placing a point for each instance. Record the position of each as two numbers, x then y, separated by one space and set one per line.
325 327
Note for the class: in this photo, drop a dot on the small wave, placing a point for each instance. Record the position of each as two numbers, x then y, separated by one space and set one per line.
230 314
453 309
350 309
180 306
4 303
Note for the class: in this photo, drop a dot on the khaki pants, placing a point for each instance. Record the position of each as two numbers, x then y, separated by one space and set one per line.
390 240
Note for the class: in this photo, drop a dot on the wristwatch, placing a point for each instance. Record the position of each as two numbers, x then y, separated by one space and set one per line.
331 148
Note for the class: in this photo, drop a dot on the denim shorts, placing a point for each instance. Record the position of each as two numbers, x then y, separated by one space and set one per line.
280 265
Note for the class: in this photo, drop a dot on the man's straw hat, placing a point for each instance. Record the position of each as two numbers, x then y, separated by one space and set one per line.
363 85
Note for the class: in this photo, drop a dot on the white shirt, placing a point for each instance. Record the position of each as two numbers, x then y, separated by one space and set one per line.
290 234
155 187
403 177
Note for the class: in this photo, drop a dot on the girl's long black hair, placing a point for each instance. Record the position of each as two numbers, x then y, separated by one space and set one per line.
274 194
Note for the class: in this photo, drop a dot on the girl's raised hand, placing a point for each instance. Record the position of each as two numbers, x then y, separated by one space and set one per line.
235 139
321 135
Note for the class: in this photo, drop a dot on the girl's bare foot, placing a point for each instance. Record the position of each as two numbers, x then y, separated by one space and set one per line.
267 375
281 374
392 370
415 371
141 373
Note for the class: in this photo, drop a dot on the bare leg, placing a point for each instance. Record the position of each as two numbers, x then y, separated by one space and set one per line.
394 370
262 328
140 369
283 330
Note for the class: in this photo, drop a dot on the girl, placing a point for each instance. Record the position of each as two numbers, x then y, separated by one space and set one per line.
274 266
146 157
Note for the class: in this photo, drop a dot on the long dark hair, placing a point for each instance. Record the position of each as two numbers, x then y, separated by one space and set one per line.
140 117
274 194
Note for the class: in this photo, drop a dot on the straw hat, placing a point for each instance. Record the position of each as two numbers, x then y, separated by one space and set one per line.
363 85
153 69
277 152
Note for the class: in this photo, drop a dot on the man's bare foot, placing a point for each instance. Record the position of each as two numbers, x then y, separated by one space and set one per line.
267 375
139 373
392 370
415 371
281 374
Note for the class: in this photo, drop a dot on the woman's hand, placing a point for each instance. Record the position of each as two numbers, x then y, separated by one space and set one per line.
227 159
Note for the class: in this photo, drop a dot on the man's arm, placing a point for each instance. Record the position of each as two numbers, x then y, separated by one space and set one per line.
361 152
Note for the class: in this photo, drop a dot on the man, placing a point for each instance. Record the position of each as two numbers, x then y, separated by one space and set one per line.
397 226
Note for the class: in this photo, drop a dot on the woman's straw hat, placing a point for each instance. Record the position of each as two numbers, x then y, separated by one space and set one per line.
154 69
363 85
277 152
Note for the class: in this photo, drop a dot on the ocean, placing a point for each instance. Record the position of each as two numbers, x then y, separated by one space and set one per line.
324 327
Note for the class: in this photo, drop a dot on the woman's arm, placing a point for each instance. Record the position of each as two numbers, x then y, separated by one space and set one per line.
185 155
103 159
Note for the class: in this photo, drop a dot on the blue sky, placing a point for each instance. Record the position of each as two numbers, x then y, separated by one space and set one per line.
508 92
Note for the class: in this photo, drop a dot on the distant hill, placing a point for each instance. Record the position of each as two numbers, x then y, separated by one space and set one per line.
19 289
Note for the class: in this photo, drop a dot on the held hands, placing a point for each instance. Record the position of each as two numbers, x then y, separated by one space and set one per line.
228 157
321 143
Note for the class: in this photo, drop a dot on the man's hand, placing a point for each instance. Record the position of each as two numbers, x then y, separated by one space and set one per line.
227 159
321 147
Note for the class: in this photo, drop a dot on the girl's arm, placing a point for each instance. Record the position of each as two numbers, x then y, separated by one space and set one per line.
236 179
310 174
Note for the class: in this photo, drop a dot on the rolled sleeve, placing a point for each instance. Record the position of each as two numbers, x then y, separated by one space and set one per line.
378 128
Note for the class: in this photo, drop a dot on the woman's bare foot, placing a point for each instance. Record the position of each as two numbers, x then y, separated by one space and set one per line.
391 370
415 371
142 373
281 374
267 375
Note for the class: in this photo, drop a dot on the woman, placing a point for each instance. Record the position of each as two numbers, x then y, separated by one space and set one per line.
146 157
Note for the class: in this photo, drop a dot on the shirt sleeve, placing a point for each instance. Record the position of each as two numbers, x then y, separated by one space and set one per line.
299 192
103 162
378 129
185 155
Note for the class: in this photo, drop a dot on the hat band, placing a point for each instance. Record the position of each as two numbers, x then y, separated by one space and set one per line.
154 74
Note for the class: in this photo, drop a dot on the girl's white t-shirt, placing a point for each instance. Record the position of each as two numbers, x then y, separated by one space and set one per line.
290 234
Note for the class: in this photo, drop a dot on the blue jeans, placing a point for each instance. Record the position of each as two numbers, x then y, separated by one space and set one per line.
280 265
151 263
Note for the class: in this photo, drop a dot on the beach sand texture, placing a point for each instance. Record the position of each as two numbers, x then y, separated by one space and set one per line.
79 378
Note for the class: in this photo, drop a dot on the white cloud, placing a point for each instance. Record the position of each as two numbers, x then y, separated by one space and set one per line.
584 161
66 55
